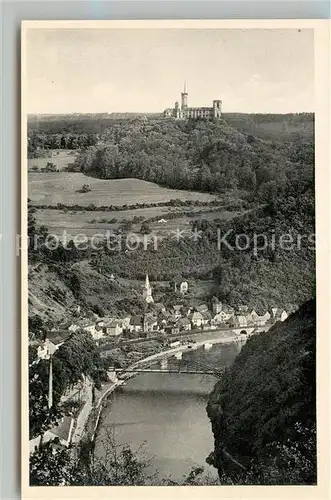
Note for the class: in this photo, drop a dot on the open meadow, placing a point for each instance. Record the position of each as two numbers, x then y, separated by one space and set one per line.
63 187
61 158
91 222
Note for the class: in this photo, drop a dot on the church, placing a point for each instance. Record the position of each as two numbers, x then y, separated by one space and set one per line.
184 112
147 293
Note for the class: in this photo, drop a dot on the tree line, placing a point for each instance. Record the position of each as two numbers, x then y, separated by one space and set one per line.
197 155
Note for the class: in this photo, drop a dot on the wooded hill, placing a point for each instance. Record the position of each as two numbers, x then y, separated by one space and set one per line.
263 411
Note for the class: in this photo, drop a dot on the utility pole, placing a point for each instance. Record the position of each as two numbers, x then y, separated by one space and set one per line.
50 384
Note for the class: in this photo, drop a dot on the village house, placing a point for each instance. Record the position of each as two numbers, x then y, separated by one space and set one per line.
206 318
184 324
126 322
98 332
177 311
159 307
161 325
74 328
61 434
224 315
136 324
260 320
114 328
52 342
183 287
91 328
213 324
196 319
172 330
242 320
278 314
150 323
202 308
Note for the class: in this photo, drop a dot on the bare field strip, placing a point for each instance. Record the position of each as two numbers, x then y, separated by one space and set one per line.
63 187
92 222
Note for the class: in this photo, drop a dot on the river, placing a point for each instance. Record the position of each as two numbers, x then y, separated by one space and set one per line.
166 412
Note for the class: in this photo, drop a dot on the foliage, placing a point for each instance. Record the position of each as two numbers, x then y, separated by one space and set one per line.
263 409
85 188
197 155
41 417
76 357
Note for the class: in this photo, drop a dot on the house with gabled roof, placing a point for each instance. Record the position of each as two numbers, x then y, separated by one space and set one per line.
196 319
201 308
113 328
61 434
184 324
206 317
52 342
150 323
136 324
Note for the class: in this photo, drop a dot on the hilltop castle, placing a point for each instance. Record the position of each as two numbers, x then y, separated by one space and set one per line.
184 112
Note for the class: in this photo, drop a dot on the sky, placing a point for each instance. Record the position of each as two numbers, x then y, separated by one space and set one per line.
143 70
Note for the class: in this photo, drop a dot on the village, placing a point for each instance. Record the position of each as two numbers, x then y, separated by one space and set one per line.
139 339
164 322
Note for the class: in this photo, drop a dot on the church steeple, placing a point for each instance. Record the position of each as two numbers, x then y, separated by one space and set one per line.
148 291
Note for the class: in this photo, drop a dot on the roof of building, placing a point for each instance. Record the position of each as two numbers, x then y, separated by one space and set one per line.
136 320
206 315
201 308
279 313
195 315
58 337
241 318
159 305
215 300
178 307
114 323
151 320
63 430
227 309
183 321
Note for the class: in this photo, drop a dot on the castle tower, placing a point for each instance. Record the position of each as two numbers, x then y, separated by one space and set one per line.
184 97
148 291
217 108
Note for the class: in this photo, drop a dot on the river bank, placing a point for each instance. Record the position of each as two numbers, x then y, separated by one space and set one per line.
108 389
163 415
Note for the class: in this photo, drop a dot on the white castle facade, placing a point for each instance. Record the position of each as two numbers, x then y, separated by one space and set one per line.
184 112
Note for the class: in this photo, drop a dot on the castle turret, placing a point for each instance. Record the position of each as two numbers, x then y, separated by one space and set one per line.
184 97
217 108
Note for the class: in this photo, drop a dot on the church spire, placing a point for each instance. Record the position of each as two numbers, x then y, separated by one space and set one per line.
148 291
185 91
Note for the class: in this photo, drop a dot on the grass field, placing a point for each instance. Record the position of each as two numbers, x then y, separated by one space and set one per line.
62 187
61 159
92 222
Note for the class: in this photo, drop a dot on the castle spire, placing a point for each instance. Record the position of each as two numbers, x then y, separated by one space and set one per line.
147 285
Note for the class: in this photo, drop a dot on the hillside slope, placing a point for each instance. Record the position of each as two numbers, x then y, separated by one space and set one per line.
263 410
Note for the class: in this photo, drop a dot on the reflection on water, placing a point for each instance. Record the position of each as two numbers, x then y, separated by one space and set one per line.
168 412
